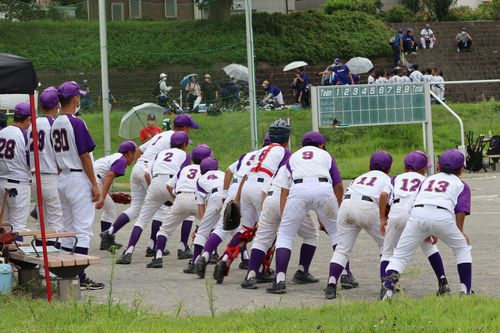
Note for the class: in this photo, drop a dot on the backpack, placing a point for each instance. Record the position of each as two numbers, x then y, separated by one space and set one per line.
494 148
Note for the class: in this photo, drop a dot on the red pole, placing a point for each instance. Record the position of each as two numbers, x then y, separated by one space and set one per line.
39 196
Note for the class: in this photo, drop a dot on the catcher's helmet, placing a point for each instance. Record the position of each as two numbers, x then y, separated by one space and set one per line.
279 132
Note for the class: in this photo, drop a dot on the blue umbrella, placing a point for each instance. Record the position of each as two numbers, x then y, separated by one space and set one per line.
185 80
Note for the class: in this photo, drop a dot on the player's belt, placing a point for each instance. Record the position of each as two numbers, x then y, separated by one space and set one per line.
269 193
99 176
398 200
301 180
180 192
438 207
363 197
75 170
215 190
235 181
161 174
13 181
257 179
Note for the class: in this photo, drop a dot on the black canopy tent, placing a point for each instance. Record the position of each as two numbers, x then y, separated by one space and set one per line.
18 76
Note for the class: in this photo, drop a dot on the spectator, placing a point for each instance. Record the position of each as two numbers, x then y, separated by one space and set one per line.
438 83
380 77
397 46
395 78
209 90
427 75
164 89
427 37
409 45
86 100
464 40
371 76
273 94
356 78
147 132
301 86
342 73
193 91
415 74
230 91
111 99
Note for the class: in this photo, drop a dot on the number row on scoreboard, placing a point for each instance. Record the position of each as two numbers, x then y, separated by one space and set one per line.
349 91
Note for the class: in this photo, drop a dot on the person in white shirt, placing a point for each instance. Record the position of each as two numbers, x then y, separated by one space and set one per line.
415 74
395 78
437 85
427 77
427 37
371 76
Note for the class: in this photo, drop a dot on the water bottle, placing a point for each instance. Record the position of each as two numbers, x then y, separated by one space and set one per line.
5 277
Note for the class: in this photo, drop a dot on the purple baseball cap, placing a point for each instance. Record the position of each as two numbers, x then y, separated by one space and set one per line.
49 98
178 139
208 164
313 138
185 120
22 109
70 89
452 160
381 160
267 140
416 160
127 146
200 152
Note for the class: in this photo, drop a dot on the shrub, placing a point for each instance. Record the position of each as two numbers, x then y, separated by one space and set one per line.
413 5
399 13
439 9
366 6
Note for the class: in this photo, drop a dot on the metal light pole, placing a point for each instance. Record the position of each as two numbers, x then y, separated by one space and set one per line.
251 74
104 76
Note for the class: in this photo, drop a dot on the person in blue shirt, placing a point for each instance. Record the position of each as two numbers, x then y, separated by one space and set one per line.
342 75
409 45
397 45
301 86
273 94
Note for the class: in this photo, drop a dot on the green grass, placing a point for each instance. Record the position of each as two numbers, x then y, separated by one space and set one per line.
229 134
431 314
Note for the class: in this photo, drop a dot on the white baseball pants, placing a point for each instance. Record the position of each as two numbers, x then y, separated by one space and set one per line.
184 206
156 197
17 208
52 209
109 208
210 219
138 190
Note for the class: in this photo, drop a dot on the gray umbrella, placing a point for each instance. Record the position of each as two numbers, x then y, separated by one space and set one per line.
134 120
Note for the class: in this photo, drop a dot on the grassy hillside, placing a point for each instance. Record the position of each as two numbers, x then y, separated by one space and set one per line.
313 37
229 134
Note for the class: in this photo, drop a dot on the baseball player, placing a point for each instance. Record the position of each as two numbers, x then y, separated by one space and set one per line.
106 170
15 173
402 192
316 185
439 210
209 188
77 185
183 185
167 164
266 234
51 205
139 179
359 210
252 191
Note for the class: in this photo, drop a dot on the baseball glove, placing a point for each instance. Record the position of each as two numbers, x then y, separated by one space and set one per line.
121 198
232 216
7 237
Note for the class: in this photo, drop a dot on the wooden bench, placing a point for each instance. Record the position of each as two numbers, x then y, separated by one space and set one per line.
493 160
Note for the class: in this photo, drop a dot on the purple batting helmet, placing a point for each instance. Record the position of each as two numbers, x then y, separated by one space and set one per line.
451 161
416 160
200 152
178 139
49 98
381 160
313 138
208 164
127 146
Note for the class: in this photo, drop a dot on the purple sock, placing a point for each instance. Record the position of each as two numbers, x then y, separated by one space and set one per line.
282 259
391 278
335 272
161 243
256 260
437 265
306 256
197 251
212 243
383 267
185 231
465 275
120 222
134 236
155 226
19 239
105 225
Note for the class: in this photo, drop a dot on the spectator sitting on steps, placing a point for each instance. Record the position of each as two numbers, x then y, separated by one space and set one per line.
409 45
427 37
464 40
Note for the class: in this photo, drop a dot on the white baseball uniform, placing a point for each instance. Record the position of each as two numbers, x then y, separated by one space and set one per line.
360 210
70 139
427 34
416 76
440 197
52 209
15 176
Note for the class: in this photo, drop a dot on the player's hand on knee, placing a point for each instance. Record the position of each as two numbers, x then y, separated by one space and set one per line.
95 193
383 224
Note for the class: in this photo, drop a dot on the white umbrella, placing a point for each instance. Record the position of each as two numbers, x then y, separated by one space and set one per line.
295 64
359 65
134 120
239 72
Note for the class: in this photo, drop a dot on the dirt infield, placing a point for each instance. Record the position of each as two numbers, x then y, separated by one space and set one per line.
171 291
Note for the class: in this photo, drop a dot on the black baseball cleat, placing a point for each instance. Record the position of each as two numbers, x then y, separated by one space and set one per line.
88 284
443 289
304 278
200 267
108 242
244 264
331 291
250 283
220 271
34 213
348 282
186 254
189 268
277 288
152 252
213 259
155 263
265 277
125 259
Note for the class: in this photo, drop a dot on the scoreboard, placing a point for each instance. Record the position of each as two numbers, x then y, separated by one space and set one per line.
364 105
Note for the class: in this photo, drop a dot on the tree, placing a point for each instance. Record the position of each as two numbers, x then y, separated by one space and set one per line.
218 10
439 9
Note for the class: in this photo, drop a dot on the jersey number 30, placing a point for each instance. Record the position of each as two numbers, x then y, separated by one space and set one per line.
60 140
